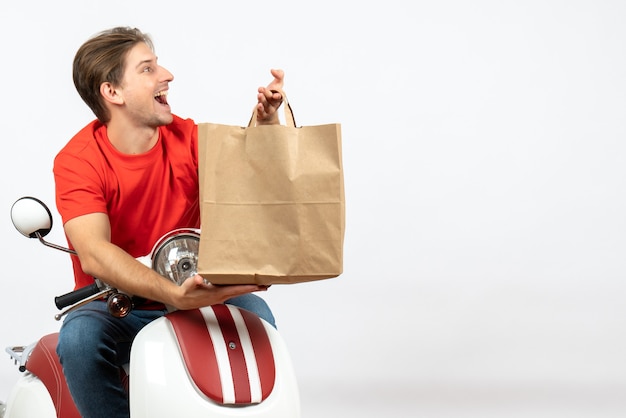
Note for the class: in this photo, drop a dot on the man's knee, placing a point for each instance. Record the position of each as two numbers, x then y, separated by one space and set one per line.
256 304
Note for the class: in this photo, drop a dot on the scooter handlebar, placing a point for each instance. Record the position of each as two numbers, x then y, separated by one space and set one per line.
76 296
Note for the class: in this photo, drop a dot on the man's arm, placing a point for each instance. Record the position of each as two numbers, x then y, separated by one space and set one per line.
90 236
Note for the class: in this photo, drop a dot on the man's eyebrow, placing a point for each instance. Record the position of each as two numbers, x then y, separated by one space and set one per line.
146 61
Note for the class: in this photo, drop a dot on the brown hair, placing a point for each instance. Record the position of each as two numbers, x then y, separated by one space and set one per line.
102 59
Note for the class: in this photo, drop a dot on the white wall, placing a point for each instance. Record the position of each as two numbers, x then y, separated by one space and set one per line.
484 164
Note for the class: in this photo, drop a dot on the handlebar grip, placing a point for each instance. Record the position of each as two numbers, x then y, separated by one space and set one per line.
76 296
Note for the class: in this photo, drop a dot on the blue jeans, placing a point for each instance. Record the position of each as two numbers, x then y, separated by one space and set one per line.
93 345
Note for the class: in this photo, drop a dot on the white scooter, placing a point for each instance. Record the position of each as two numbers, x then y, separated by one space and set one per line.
219 361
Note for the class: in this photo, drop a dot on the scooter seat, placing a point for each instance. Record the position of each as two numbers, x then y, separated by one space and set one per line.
227 353
44 363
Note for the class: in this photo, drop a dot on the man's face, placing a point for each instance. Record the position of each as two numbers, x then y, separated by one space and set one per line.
144 88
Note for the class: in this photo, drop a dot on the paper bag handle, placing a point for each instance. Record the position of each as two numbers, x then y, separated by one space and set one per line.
289 118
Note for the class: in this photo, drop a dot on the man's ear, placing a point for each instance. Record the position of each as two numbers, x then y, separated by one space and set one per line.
110 93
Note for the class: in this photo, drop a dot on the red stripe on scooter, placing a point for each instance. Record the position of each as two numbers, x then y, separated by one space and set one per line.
198 352
201 337
262 351
236 357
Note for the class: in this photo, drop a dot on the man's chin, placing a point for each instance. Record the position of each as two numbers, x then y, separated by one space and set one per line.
165 120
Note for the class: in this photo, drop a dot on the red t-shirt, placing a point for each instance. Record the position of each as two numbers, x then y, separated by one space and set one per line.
144 196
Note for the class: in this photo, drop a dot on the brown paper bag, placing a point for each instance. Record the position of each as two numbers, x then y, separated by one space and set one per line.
272 202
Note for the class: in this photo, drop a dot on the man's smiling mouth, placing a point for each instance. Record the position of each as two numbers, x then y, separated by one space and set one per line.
161 97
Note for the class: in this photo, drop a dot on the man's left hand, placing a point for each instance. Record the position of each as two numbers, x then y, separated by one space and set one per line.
270 99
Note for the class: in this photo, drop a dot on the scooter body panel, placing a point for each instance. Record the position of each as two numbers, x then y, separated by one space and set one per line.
160 384
29 398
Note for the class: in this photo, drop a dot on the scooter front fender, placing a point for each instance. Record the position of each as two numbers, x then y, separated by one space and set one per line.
161 385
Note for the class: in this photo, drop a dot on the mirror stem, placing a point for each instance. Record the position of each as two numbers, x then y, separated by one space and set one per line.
56 247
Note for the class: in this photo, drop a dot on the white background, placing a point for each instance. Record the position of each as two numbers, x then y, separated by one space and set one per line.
484 162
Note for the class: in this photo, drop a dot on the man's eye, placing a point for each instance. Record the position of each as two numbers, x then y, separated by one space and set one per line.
147 69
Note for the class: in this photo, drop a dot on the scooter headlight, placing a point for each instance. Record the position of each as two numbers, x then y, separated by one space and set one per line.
175 256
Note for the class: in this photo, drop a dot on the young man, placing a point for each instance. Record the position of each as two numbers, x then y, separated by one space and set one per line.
122 182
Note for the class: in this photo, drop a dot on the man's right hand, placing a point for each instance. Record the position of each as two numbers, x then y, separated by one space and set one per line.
195 292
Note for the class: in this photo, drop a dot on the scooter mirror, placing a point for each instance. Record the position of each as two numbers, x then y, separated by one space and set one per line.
31 217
